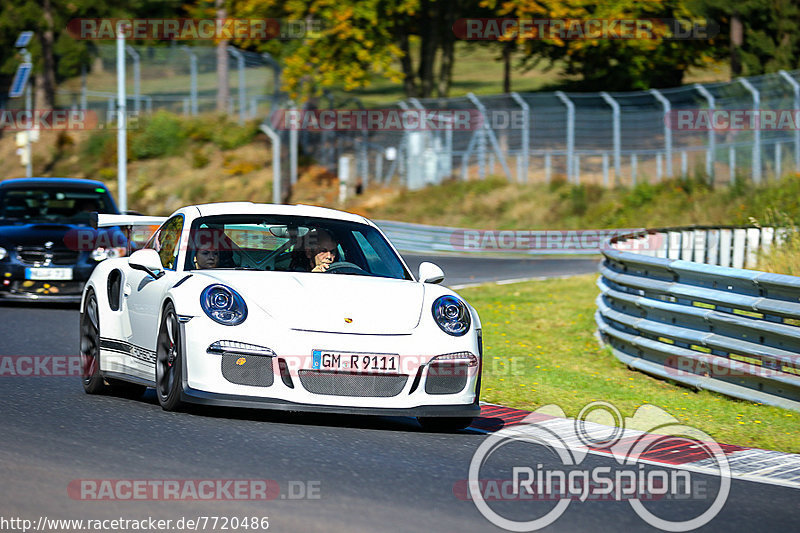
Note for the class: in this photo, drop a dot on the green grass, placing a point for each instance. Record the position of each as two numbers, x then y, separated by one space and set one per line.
498 204
539 349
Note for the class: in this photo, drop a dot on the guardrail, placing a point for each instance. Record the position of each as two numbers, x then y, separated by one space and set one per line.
677 303
423 239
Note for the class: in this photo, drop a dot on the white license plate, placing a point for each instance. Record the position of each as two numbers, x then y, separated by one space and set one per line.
40 273
355 362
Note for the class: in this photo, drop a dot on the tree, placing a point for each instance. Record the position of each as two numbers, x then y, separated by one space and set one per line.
612 64
358 40
761 36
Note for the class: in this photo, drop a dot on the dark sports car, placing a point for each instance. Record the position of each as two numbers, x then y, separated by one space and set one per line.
47 248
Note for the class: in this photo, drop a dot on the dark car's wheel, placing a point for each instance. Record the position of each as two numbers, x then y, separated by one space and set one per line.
444 424
169 364
90 347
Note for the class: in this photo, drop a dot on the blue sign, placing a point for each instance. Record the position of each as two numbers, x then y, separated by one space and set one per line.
20 80
23 39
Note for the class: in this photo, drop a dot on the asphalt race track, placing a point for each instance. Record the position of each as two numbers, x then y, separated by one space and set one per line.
363 473
460 270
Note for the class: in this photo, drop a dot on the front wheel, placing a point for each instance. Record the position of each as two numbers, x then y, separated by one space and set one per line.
93 382
444 424
169 361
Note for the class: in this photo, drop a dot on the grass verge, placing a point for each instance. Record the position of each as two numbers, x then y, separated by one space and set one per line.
539 349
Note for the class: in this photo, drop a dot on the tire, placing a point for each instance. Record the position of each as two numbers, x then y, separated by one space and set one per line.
444 424
169 361
93 382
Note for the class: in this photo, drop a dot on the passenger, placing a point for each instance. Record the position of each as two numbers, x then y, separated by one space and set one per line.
206 257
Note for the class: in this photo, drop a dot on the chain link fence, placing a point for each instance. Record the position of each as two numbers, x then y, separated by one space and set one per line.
180 79
607 139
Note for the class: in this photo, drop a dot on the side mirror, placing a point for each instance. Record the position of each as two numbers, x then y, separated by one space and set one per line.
430 273
148 261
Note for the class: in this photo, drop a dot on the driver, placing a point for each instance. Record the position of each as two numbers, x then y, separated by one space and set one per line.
317 253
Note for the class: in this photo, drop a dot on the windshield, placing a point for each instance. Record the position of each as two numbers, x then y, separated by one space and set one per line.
291 244
55 205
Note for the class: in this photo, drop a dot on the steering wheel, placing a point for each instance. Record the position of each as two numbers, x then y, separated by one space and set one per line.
340 267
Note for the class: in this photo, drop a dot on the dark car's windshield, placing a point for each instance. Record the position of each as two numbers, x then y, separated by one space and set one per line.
291 243
51 204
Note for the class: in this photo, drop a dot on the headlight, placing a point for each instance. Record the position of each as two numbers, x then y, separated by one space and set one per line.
3 253
452 315
457 357
101 254
223 304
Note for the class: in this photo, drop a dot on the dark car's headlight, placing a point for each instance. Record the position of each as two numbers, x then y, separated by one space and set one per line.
101 253
3 253
451 315
223 304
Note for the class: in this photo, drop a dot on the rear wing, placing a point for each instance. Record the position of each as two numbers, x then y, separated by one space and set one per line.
137 228
104 220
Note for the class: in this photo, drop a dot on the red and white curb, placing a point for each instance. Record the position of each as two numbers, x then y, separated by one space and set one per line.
752 464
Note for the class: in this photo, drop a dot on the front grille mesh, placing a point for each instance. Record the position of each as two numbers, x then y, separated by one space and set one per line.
39 256
352 383
254 370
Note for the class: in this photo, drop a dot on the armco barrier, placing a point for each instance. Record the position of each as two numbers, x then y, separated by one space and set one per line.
676 303
423 239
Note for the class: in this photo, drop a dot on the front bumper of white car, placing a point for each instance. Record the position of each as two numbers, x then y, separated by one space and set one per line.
285 378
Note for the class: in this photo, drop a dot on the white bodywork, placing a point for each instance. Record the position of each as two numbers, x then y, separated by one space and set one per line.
291 313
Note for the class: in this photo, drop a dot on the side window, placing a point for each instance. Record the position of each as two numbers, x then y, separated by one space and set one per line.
165 241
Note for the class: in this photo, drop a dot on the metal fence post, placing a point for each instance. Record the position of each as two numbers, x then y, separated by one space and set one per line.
667 130
570 131
242 89
137 79
684 163
659 169
492 139
757 132
605 169
522 173
276 162
796 89
777 160
634 168
193 75
732 163
616 133
548 168
83 87
292 148
710 154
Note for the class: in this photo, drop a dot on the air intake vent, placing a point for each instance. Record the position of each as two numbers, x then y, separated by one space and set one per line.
352 383
446 378
254 370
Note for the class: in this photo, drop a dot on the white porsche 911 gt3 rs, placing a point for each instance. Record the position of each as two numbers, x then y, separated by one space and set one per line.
280 307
